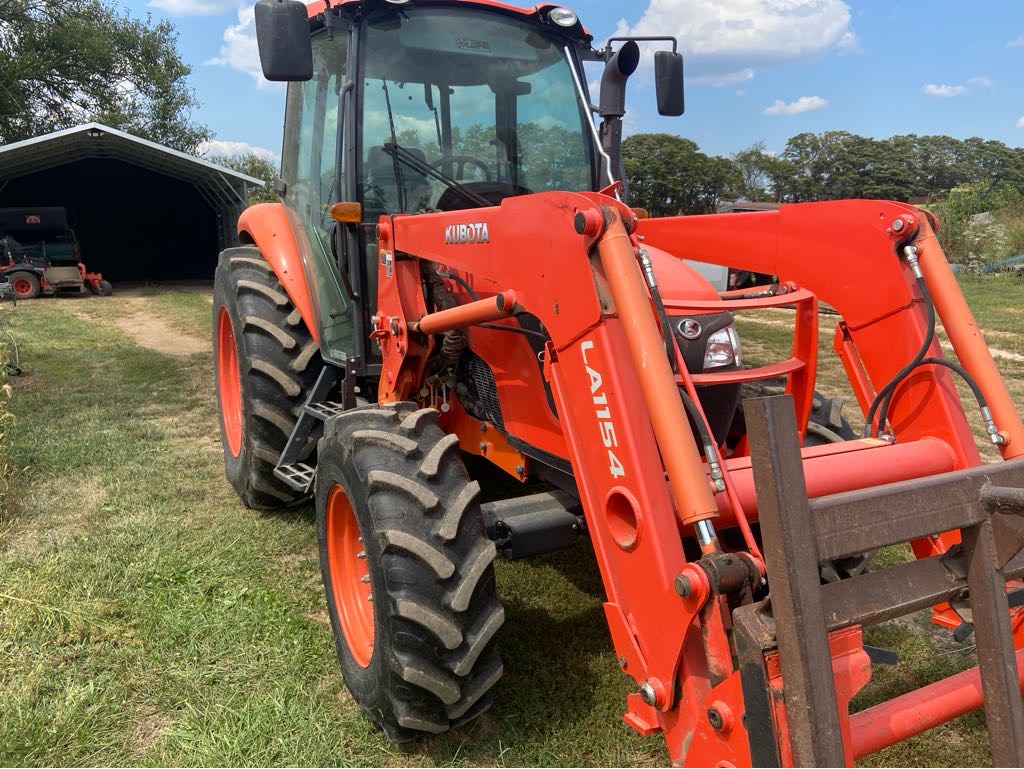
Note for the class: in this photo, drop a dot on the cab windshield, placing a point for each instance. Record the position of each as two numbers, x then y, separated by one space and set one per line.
486 100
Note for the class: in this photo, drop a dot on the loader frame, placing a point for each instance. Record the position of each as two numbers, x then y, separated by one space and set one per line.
670 617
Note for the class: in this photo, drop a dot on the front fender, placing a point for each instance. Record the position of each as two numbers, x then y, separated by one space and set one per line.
266 226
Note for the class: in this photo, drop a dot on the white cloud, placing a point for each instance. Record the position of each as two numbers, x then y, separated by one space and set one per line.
730 78
947 91
723 42
803 104
1020 122
1017 42
194 7
226 148
944 91
239 51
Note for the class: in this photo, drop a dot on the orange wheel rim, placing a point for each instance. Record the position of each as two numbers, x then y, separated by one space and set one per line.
22 286
350 576
229 382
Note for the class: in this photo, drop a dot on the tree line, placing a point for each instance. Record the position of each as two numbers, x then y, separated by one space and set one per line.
669 175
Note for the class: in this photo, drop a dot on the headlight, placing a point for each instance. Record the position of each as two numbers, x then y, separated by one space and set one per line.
723 348
563 17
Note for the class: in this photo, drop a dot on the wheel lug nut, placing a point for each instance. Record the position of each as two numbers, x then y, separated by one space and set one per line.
365 578
361 554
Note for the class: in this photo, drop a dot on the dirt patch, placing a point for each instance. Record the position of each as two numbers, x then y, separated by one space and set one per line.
156 334
70 517
146 328
149 730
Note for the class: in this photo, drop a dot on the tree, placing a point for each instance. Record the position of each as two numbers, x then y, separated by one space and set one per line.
68 63
668 175
753 166
255 166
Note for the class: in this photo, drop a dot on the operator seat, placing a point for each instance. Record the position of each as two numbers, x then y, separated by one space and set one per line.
381 187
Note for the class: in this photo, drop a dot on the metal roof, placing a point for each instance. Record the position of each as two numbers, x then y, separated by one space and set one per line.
220 186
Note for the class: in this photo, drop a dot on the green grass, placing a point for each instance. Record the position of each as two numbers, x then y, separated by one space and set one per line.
146 617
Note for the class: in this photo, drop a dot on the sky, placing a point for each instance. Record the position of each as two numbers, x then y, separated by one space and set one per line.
756 70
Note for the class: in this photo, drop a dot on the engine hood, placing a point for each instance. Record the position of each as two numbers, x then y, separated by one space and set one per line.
677 280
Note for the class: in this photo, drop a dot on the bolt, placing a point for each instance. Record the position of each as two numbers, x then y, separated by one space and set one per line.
483 427
897 225
715 718
369 597
683 586
365 578
623 662
520 469
361 554
483 446
648 695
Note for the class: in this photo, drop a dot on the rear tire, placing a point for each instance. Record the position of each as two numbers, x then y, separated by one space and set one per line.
105 289
420 657
25 284
266 362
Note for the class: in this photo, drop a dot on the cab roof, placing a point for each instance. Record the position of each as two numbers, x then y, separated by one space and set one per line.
317 7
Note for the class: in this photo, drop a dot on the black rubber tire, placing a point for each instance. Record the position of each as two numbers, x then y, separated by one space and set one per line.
825 425
105 288
436 611
278 365
32 280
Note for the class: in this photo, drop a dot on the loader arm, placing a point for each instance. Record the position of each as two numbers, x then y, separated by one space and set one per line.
571 261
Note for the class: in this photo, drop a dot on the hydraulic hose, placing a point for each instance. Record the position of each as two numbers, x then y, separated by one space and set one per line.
885 394
883 398
688 395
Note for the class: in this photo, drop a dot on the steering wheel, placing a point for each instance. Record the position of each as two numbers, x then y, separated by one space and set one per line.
459 163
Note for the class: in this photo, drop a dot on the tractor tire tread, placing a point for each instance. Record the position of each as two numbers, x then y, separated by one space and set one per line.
436 610
271 336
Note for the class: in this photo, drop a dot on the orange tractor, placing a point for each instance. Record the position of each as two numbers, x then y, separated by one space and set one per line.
453 271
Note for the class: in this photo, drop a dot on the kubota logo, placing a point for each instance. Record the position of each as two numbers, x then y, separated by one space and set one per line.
476 232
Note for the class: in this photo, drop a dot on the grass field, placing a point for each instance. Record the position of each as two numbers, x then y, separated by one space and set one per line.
146 617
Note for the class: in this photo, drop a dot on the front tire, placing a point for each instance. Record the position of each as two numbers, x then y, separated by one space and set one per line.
266 362
25 284
407 570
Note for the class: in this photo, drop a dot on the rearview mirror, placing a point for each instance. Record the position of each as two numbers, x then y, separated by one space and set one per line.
668 82
282 35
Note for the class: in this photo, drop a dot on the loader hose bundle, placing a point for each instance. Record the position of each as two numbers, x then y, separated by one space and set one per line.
883 398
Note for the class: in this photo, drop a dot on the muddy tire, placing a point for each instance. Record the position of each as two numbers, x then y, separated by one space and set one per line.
398 522
265 362
25 285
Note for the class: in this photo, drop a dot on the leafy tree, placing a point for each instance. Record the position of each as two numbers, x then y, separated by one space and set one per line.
255 166
754 166
668 175
68 63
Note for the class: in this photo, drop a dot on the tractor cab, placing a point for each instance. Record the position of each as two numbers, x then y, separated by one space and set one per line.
402 108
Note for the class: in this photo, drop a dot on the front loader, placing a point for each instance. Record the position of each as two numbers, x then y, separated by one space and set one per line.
453 271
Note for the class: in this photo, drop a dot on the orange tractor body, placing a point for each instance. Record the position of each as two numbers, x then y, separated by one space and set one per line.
393 315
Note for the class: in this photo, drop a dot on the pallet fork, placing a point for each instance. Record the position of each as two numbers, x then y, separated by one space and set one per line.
809 634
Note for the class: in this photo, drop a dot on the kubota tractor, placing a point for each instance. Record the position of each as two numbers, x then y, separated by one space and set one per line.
453 270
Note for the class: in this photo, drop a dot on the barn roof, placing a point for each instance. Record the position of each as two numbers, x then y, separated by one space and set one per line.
220 186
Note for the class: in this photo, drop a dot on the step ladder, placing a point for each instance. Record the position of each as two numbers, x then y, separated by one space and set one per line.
315 411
